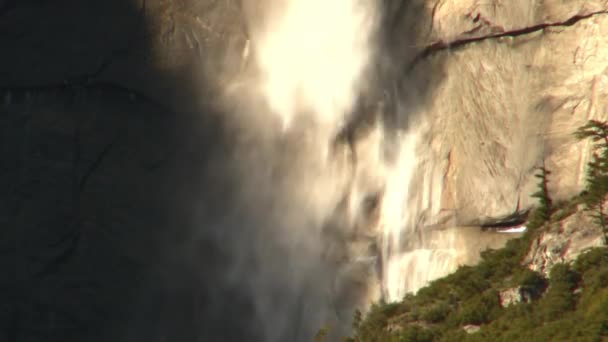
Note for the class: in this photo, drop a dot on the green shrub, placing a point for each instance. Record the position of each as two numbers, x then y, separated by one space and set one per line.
532 282
563 277
560 297
480 309
591 259
436 313
593 265
417 334
375 322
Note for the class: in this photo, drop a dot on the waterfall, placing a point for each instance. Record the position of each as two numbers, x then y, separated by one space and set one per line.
340 201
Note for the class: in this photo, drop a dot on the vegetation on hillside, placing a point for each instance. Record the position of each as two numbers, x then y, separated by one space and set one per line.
571 305
440 311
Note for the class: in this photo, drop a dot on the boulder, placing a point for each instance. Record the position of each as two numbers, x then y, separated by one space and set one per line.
513 296
471 328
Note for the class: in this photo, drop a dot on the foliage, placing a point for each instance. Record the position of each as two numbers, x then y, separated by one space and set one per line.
560 297
561 314
545 207
564 209
531 282
480 309
436 313
373 327
417 334
596 187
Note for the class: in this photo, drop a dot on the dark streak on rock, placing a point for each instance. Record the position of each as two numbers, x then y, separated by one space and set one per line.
514 220
438 46
95 165
90 80
433 12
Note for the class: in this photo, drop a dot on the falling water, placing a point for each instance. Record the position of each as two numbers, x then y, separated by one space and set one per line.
312 55
312 58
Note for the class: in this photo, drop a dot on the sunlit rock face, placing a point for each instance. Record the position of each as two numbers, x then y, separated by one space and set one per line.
470 104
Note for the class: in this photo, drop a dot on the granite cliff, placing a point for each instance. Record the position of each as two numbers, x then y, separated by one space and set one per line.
140 201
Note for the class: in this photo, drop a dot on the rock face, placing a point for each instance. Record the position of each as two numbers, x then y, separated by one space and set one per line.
101 151
114 147
513 296
564 241
513 82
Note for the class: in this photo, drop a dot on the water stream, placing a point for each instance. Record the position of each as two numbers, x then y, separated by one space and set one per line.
344 200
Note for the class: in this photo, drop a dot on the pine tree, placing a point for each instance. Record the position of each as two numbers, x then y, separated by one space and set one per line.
357 319
543 212
596 182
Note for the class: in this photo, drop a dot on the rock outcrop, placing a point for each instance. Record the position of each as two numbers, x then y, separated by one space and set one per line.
564 241
512 296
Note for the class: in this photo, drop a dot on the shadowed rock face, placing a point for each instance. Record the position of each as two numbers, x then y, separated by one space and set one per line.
105 129
117 159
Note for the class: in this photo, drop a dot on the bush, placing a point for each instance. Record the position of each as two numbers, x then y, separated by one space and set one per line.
376 320
560 297
436 313
417 334
480 309
561 276
532 282
593 258
593 265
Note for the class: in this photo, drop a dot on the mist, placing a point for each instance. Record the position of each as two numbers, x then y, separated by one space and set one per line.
331 200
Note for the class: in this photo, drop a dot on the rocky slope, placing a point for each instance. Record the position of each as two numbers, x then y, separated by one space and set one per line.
500 299
564 241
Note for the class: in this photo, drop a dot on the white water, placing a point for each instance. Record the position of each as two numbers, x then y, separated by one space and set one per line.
312 59
412 200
